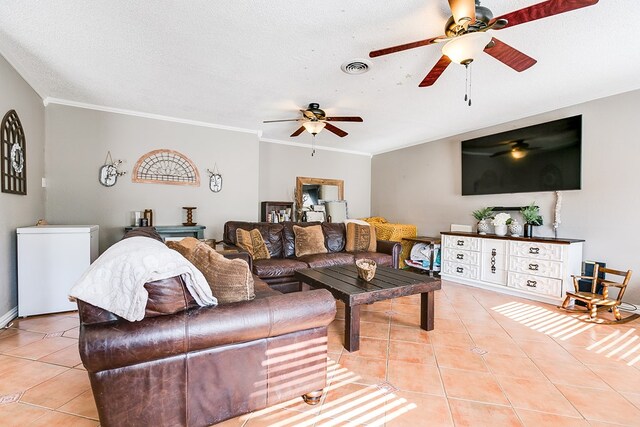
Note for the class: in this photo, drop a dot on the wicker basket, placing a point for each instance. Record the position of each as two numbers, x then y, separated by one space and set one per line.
366 269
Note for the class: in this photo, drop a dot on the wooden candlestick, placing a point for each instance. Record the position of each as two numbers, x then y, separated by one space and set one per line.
189 210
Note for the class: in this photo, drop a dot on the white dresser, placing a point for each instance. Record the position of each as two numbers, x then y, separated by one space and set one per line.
535 268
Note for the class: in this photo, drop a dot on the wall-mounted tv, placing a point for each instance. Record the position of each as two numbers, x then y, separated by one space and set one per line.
544 157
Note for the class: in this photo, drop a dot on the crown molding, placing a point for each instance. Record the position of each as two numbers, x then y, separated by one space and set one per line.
69 103
317 147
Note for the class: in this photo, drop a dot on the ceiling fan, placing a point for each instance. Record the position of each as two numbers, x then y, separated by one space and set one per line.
466 34
313 120
518 150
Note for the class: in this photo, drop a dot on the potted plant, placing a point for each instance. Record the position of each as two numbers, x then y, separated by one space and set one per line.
482 215
532 218
500 222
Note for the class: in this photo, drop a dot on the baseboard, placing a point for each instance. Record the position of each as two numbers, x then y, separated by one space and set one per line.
8 317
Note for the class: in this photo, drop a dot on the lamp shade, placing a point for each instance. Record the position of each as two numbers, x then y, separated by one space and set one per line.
463 10
465 48
518 153
314 127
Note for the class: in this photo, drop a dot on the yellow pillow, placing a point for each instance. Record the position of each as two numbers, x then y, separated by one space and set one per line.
360 238
309 240
229 279
252 242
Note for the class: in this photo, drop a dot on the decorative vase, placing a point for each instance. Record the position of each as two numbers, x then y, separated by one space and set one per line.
515 228
483 226
500 230
528 230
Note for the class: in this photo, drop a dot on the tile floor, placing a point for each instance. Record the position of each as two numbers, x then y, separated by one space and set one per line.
492 360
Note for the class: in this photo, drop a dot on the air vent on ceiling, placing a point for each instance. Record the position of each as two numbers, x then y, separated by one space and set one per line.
356 66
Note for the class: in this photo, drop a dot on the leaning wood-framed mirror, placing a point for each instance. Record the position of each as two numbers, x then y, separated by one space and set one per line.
310 190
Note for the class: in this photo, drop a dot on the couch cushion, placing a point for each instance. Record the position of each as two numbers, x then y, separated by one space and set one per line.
167 296
271 233
230 279
327 260
275 267
385 260
309 240
262 289
289 238
334 236
360 238
252 242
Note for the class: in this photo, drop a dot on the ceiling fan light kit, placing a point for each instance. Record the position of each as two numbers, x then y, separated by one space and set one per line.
314 127
465 48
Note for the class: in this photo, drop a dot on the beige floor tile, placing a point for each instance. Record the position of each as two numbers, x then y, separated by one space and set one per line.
411 352
83 405
353 402
58 419
19 339
19 414
69 356
411 334
459 358
364 370
407 310
374 316
545 350
497 344
415 377
412 409
470 385
450 339
72 333
536 395
58 390
42 348
621 378
406 320
335 342
372 348
633 398
20 374
374 330
47 324
616 410
377 306
541 419
452 325
575 374
511 366
475 414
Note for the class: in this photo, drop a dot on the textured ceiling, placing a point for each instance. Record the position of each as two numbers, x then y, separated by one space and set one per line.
237 63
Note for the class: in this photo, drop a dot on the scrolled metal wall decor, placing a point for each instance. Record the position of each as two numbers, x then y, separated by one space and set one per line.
13 159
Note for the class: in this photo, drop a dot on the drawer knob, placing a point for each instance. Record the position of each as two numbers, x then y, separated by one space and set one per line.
460 242
534 251
533 267
460 256
460 269
531 283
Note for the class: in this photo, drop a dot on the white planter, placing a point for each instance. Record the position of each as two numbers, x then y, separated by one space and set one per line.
500 230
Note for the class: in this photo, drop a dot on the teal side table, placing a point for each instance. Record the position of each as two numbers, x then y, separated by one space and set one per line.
165 231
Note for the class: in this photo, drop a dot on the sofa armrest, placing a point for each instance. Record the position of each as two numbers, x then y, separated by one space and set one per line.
241 254
122 343
391 248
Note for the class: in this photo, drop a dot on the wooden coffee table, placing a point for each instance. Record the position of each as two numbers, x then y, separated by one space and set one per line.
345 285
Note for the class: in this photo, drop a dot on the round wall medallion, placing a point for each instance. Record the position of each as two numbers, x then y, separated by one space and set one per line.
17 158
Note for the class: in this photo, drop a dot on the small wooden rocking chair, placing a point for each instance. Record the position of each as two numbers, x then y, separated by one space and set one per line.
595 301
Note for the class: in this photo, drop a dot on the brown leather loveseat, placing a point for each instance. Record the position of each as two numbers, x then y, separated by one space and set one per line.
186 365
279 238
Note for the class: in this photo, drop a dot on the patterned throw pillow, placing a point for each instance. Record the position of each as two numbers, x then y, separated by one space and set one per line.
360 238
252 242
184 246
229 279
309 240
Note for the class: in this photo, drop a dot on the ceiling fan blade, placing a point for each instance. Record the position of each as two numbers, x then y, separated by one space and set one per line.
463 11
436 71
402 47
284 120
308 114
509 55
500 153
298 131
337 131
344 119
542 10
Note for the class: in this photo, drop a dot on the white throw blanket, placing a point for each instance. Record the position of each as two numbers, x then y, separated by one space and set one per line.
115 281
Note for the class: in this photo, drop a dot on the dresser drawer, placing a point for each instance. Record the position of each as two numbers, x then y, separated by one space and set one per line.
536 250
461 270
462 256
462 242
537 284
497 276
538 267
490 245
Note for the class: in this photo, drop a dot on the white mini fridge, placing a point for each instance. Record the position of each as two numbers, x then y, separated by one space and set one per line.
51 258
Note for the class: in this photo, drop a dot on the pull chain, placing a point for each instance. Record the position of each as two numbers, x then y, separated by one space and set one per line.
313 145
467 83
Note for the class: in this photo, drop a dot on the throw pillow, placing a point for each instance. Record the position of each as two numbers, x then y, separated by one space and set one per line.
230 280
185 246
252 242
309 240
360 238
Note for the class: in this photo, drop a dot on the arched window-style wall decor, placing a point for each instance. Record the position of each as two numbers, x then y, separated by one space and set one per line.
13 158
166 167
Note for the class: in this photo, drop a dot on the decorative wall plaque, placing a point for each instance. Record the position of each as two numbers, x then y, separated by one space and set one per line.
166 167
13 155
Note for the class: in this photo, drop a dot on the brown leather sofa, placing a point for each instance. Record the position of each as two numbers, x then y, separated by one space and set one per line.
278 271
186 365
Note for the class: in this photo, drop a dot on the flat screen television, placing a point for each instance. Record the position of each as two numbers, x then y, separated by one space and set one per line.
544 157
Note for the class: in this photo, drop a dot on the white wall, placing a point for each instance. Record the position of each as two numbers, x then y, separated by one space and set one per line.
280 165
77 143
421 185
15 210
